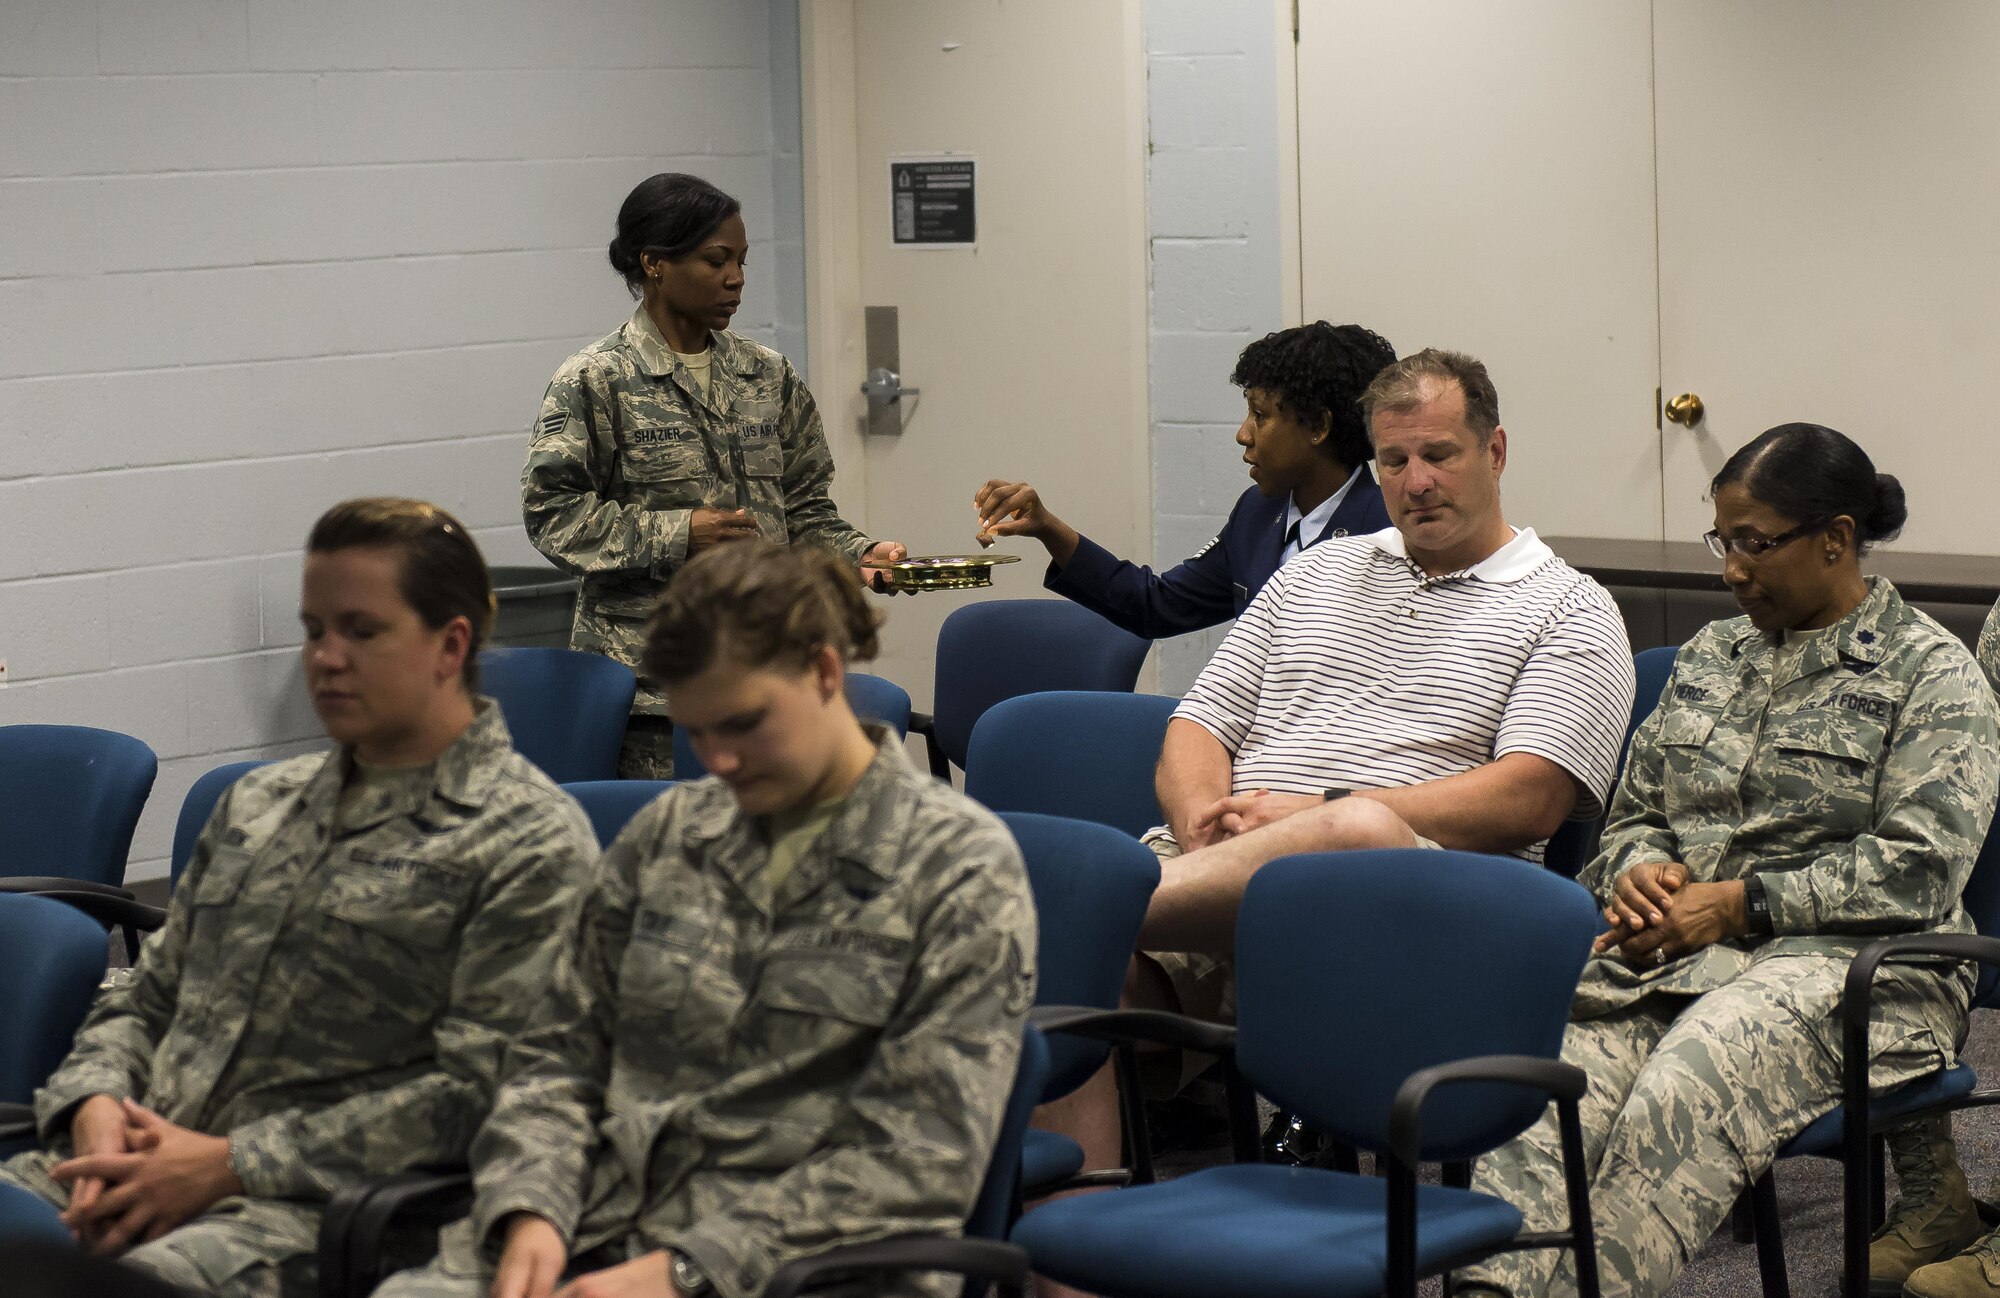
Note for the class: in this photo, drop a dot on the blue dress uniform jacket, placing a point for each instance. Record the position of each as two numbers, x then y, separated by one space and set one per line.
1222 578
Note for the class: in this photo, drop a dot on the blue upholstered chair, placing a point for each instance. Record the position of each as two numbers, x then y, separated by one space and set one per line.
610 804
1084 754
70 797
1860 1147
26 1218
565 708
1355 1009
1092 884
873 698
198 806
1572 846
52 958
1000 648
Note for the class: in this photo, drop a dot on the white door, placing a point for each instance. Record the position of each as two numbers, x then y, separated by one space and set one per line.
1029 350
1479 176
1829 184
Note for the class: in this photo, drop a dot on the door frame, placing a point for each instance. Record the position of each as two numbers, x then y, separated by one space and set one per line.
835 340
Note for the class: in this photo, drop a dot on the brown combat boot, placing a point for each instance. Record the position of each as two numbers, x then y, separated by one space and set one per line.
1934 1218
1975 1273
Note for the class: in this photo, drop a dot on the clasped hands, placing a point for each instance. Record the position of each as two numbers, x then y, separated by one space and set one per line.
1656 914
135 1176
1239 814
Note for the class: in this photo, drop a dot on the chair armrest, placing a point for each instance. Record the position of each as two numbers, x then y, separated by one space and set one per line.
985 1259
17 1121
112 907
925 724
1156 1026
1551 1076
1856 1007
1858 996
356 1219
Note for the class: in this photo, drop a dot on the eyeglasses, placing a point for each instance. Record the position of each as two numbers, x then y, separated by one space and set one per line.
1752 547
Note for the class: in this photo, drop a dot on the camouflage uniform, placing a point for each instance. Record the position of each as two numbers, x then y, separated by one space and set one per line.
625 449
1855 774
1935 1215
333 990
749 1078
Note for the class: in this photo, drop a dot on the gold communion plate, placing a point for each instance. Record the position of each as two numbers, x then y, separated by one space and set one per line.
946 571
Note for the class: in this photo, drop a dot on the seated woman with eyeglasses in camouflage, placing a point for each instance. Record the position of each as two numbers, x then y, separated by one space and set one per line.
1818 771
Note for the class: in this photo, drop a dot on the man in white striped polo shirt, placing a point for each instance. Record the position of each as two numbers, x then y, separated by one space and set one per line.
1446 682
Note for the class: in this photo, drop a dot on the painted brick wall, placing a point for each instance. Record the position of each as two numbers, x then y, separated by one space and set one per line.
260 255
1212 200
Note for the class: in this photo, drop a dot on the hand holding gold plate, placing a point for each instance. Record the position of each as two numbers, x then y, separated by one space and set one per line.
945 571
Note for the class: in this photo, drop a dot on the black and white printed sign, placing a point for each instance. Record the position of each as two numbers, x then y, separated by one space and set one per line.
932 203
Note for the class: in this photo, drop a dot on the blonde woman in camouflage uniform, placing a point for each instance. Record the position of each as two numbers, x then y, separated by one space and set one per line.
1819 771
671 436
790 1015
352 945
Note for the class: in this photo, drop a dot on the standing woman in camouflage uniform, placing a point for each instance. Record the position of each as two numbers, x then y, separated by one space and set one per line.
671 436
1819 771
355 939
790 1015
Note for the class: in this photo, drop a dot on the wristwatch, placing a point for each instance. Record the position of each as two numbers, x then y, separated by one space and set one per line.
687 1275
1757 907
1332 794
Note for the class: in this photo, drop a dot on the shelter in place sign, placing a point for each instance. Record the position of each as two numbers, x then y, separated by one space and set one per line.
931 202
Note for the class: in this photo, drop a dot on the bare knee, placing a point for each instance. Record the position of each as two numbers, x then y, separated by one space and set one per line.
1354 824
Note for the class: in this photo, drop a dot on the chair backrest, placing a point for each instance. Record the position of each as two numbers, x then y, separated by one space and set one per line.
873 698
1092 884
565 708
993 1211
1982 903
1571 846
70 797
1356 969
52 957
1084 754
999 648
1650 668
197 807
610 804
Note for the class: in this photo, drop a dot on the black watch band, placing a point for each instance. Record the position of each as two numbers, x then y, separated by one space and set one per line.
1332 794
1757 907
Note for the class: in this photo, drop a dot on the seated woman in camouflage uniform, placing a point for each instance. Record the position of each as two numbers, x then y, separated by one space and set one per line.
790 1015
1818 771
354 941
673 434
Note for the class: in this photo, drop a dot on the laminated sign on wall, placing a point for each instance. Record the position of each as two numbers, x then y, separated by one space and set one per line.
931 202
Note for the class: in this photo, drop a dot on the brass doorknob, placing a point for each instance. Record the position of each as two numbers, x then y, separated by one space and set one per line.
1685 409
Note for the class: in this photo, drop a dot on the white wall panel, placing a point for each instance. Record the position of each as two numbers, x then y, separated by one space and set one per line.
257 256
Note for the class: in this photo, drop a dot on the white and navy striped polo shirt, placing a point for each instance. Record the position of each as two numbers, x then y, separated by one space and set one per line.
1353 669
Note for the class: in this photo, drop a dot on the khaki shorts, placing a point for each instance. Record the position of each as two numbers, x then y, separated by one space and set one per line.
1205 987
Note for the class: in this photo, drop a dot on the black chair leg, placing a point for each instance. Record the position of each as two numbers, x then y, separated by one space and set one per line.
1878 1173
1763 1212
1742 1223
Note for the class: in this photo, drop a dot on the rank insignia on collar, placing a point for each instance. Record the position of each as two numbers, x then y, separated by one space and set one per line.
1865 637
